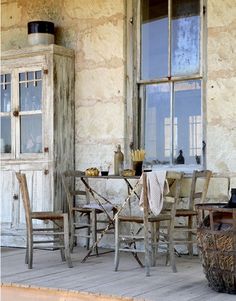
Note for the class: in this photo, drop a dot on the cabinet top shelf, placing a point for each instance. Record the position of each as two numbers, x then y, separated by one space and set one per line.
35 50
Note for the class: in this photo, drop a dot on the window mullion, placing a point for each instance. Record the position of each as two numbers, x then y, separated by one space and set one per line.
169 37
172 122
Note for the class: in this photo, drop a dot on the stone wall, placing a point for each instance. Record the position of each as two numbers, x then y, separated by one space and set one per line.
221 86
95 30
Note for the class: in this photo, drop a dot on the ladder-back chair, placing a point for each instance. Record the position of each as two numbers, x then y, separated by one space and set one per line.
198 193
151 227
57 237
83 214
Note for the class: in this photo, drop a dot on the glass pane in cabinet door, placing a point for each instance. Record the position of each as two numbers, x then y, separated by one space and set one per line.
30 92
5 93
31 133
5 140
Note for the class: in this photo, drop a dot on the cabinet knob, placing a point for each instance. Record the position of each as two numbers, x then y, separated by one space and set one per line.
15 196
16 113
46 172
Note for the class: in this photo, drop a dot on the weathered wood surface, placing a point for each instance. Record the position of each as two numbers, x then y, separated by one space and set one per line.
97 276
42 169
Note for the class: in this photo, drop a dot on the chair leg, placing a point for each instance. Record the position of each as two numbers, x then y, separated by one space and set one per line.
27 249
72 232
66 240
190 236
30 249
154 243
88 232
147 250
171 248
61 239
117 242
94 228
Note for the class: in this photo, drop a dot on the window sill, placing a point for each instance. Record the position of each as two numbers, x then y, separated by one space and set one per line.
187 169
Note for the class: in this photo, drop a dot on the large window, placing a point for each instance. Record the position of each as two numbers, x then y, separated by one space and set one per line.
170 81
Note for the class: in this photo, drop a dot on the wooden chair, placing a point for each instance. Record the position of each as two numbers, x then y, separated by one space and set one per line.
198 193
83 214
151 227
56 237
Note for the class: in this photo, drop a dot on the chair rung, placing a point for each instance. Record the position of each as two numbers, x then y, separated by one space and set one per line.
50 233
45 229
43 247
136 237
132 250
45 241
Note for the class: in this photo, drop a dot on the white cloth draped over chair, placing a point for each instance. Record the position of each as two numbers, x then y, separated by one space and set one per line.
157 187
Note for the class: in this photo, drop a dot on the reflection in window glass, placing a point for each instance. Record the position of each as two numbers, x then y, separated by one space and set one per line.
31 136
187 112
5 140
30 96
157 126
5 92
154 39
185 44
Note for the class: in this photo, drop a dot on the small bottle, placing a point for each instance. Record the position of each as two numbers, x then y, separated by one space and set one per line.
232 201
118 161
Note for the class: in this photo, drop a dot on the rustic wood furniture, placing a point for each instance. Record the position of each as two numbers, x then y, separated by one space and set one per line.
151 224
56 237
83 213
198 193
37 137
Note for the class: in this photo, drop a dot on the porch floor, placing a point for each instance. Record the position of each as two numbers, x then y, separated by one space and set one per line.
97 276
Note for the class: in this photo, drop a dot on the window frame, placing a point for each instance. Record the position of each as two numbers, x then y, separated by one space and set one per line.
135 93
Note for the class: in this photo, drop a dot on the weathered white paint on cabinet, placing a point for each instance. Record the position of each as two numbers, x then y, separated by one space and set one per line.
42 169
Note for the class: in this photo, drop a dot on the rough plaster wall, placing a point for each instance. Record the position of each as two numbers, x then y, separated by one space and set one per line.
221 86
94 29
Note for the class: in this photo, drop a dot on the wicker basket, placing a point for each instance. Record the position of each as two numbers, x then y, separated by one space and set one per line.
216 235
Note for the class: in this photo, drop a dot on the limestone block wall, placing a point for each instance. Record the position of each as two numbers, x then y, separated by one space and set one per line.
95 30
221 85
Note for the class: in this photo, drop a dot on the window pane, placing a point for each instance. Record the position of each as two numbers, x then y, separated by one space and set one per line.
31 136
187 112
6 93
154 39
30 96
5 135
185 37
157 124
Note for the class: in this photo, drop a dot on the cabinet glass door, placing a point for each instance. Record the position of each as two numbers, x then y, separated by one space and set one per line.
5 115
30 111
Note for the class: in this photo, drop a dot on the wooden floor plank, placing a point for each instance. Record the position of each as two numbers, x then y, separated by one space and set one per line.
97 275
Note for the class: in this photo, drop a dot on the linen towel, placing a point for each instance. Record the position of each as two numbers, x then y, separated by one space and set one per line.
157 186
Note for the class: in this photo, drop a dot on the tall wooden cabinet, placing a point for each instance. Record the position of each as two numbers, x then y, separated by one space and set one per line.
37 131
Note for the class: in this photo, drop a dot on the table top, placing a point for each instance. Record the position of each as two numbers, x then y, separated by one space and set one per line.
110 177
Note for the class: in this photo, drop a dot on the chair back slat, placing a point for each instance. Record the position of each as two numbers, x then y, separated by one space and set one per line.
69 180
21 177
204 175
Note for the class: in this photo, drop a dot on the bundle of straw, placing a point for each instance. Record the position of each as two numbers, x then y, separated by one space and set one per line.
138 155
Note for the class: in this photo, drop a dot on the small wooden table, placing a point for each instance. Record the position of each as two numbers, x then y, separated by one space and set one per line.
131 192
